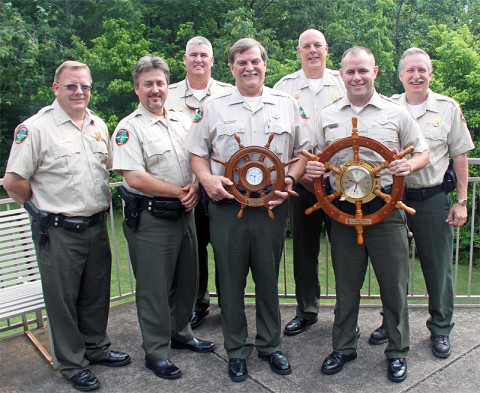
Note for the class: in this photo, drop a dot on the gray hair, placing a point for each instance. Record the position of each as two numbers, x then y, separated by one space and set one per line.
414 51
243 45
70 64
356 50
199 41
148 63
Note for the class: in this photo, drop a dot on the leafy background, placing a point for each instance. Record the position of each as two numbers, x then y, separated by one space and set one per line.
110 36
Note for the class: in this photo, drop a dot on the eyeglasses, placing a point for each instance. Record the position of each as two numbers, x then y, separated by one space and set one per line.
73 87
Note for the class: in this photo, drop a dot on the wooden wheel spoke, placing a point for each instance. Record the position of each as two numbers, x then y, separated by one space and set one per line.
382 166
270 138
333 196
262 158
333 168
292 161
237 138
356 155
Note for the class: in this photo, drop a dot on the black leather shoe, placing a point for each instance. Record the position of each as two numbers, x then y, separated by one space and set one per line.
441 346
334 362
237 369
297 325
163 369
278 362
397 369
379 336
357 331
195 345
84 381
114 359
197 318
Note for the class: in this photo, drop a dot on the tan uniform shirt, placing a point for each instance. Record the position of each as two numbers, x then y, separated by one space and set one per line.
66 166
182 99
227 113
143 142
310 101
446 133
381 119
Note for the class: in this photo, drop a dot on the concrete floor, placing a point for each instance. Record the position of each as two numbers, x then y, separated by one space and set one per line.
23 369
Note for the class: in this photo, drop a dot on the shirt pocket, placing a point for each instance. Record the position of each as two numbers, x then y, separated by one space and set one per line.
388 136
225 144
281 141
435 136
67 158
158 158
100 152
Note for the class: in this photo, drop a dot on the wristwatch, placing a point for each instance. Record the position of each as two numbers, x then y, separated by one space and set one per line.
462 202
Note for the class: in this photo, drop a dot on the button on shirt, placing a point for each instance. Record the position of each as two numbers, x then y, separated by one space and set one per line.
228 113
310 100
66 166
182 99
143 142
381 119
446 133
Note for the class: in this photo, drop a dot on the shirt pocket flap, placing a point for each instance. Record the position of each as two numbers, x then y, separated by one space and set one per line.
153 149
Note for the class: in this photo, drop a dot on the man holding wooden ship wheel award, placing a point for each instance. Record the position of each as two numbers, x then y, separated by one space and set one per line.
253 112
385 242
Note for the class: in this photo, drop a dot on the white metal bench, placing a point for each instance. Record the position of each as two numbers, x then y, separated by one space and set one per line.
20 284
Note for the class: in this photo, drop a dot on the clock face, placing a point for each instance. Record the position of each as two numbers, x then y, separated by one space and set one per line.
254 176
356 182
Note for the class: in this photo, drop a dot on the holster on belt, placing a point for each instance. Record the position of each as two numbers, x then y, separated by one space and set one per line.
450 178
39 223
132 207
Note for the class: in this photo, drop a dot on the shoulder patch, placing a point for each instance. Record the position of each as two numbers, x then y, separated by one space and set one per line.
303 115
199 115
462 117
22 135
122 137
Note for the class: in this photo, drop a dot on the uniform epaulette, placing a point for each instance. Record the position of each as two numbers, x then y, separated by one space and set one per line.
224 84
222 94
281 93
294 75
441 97
395 96
37 115
174 85
176 114
388 99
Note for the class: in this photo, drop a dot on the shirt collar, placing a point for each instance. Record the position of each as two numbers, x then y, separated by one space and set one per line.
62 117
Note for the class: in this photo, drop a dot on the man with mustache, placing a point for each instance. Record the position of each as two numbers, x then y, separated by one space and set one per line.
254 242
447 135
385 243
160 194
188 96
59 161
314 87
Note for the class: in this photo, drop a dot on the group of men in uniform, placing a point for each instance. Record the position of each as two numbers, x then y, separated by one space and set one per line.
164 150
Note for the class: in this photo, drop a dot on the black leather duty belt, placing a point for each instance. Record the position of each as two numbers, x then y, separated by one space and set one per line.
76 222
421 194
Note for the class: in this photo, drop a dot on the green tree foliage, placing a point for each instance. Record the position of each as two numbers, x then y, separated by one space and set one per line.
110 36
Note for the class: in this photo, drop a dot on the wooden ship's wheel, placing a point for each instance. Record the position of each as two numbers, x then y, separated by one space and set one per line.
254 176
358 182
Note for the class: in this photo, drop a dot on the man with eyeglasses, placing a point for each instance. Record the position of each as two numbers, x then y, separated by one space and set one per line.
188 96
59 162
